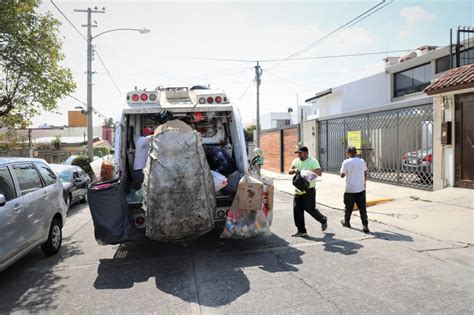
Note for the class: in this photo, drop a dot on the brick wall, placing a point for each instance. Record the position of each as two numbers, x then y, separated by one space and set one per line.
270 143
290 138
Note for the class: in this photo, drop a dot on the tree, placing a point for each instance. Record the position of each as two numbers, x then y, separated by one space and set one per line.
248 133
31 78
109 123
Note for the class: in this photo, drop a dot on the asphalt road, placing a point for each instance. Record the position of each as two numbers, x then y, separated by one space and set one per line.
339 271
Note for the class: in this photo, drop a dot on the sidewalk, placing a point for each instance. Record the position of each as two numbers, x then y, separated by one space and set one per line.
446 215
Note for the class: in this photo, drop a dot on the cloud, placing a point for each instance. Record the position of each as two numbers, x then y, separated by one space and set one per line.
416 15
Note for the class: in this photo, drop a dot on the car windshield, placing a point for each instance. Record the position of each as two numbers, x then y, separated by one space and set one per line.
64 173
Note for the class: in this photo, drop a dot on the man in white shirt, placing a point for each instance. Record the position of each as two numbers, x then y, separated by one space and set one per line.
354 170
142 149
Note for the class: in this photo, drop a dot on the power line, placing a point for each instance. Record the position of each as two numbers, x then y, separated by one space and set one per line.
67 19
83 103
97 53
352 22
306 58
108 73
246 89
75 98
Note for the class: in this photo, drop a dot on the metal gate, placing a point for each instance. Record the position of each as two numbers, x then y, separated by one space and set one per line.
397 145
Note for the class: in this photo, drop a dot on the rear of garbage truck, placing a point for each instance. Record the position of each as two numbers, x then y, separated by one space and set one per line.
215 123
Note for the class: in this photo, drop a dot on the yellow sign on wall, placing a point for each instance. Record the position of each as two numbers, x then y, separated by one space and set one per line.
354 139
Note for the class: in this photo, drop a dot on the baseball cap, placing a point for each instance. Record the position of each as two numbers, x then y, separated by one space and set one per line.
351 149
302 148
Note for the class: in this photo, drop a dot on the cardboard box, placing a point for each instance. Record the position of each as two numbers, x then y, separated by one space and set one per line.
250 196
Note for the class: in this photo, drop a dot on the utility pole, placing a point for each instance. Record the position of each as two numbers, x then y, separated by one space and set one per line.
90 138
258 74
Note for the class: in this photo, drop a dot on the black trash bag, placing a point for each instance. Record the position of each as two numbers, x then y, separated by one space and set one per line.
300 183
233 183
113 222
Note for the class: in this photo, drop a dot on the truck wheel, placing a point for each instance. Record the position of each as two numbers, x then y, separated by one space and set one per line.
55 238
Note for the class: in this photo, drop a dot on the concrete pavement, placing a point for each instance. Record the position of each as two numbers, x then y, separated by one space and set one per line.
340 271
445 215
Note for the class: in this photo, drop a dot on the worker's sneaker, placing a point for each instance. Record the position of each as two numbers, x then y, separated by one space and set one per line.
324 226
345 224
366 229
300 234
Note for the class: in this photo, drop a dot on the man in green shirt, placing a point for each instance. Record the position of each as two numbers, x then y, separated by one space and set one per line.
306 200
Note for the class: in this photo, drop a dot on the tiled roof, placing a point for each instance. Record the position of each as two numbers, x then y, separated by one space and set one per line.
454 79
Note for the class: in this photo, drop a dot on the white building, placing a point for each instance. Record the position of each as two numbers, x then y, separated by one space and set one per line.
393 117
281 119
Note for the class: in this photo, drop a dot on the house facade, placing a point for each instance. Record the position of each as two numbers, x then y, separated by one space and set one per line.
389 117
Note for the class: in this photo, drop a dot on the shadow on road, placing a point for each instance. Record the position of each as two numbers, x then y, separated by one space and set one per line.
335 245
209 271
392 236
37 288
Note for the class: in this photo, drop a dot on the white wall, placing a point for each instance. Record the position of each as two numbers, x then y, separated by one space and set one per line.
330 104
268 121
365 93
66 132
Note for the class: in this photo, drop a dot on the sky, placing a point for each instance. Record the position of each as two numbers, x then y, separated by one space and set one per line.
182 32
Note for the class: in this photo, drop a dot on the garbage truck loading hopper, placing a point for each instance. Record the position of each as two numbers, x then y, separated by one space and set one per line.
218 126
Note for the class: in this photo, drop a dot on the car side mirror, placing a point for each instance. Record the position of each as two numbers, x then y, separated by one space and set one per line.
3 200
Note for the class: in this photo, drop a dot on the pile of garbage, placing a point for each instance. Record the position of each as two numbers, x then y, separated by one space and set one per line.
178 189
251 212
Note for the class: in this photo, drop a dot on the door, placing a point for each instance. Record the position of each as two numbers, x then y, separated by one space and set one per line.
13 232
80 183
35 198
464 141
50 197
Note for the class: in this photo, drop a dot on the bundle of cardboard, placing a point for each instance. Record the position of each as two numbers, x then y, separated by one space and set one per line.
251 212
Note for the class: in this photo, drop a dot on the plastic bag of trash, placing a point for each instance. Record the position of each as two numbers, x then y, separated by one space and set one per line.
178 192
308 175
251 212
113 222
220 181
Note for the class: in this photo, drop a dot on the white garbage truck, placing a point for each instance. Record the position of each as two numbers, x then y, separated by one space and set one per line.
210 113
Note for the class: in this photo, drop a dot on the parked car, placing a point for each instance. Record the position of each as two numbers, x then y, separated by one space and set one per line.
32 209
419 162
75 182
71 159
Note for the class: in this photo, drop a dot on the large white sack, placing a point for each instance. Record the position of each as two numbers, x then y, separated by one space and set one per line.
179 197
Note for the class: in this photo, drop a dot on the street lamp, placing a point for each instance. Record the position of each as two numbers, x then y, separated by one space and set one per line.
89 111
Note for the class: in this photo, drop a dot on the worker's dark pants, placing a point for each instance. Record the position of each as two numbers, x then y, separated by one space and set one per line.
306 202
359 199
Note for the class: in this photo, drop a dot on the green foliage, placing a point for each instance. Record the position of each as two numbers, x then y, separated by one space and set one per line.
248 133
109 123
83 162
11 139
57 142
31 77
101 151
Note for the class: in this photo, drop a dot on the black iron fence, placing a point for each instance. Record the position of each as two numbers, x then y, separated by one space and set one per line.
397 145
